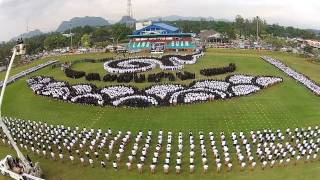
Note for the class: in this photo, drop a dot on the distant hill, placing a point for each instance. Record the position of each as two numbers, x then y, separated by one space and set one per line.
29 34
127 20
82 21
315 31
177 18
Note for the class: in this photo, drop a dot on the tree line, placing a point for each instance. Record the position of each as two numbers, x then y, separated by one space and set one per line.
102 36
86 36
243 28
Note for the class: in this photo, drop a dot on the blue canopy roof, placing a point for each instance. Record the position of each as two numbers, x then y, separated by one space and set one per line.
162 35
167 26
157 28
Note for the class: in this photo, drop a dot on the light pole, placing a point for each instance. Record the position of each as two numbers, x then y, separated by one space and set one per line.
33 172
257 30
70 36
57 39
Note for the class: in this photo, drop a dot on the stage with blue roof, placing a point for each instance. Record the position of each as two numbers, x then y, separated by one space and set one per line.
159 37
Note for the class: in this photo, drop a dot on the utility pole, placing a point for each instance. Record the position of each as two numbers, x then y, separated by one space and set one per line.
129 10
130 14
70 37
27 26
257 29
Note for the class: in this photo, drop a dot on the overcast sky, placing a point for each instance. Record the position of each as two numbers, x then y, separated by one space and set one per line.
46 15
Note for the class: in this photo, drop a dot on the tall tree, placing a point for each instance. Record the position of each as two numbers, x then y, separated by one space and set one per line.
86 41
239 25
120 32
55 41
5 52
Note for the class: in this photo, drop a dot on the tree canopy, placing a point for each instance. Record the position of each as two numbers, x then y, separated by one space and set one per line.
119 32
101 36
86 41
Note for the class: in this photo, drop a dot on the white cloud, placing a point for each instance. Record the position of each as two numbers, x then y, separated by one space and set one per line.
47 14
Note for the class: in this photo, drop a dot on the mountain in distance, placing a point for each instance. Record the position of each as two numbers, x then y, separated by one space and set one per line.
317 32
29 34
127 20
82 21
177 18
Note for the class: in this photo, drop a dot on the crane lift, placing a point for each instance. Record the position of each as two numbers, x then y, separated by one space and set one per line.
18 168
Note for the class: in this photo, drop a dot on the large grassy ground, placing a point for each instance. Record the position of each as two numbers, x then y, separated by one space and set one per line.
285 105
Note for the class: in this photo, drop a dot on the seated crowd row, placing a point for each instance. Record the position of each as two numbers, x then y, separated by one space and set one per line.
129 77
302 79
143 64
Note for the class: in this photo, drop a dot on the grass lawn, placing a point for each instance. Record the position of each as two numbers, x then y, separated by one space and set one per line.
67 171
284 105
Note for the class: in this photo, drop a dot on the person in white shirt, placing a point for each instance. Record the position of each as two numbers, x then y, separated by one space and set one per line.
229 166
71 159
103 164
61 157
178 169
53 156
264 164
107 156
152 168
219 167
205 168
166 168
128 164
253 165
243 165
115 166
91 162
82 161
118 156
139 166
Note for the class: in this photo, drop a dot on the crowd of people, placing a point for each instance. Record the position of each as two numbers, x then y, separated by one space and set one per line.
21 74
155 95
166 152
139 78
304 80
217 71
143 64
70 73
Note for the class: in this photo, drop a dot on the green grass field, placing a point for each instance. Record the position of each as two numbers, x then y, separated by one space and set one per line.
284 105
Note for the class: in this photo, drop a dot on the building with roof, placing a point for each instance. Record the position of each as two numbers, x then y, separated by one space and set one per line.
160 37
313 43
